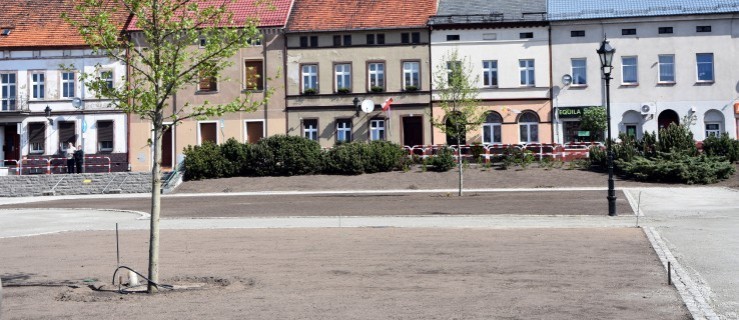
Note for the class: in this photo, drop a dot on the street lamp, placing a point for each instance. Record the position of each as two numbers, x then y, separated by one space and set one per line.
356 106
606 58
77 103
47 112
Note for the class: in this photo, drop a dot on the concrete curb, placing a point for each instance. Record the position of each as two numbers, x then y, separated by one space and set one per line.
690 293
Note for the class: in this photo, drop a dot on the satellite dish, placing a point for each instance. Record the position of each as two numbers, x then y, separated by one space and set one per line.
77 103
566 79
368 106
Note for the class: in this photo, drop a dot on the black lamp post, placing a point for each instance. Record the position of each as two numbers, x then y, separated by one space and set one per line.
606 58
356 106
47 112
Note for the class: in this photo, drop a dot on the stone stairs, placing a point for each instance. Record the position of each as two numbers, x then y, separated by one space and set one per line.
73 184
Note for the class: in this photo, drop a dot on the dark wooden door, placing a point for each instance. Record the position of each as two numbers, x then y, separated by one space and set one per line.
167 148
412 131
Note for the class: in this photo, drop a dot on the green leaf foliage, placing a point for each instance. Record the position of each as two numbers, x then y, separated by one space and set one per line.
722 146
594 119
283 155
678 168
205 162
443 161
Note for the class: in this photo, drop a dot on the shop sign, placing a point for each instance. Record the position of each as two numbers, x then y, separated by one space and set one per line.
570 112
583 133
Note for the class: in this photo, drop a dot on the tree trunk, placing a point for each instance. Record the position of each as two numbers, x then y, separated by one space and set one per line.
156 193
459 163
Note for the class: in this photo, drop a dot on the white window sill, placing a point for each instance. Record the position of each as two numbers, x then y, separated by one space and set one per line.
585 85
666 83
704 82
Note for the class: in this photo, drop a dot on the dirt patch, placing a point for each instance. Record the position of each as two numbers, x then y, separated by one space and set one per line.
385 273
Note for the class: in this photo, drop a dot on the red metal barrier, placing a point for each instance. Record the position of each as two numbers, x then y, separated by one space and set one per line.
60 164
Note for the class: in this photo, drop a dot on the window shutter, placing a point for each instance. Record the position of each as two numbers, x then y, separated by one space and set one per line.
105 131
66 133
36 132
254 79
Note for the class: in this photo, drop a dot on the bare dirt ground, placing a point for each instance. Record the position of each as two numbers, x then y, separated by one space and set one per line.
345 273
474 177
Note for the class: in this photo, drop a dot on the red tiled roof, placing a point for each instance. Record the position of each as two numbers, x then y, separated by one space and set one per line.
328 15
38 23
271 13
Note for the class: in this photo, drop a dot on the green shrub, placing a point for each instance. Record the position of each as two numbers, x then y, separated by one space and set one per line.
345 158
282 155
205 162
678 167
443 160
515 156
723 146
477 151
676 138
383 156
238 156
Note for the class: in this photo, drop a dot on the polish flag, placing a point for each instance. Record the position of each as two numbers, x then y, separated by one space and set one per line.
386 104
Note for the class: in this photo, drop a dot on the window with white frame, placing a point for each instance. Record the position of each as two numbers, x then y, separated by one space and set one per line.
343 74
713 129
38 85
344 130
491 128
528 124
310 78
490 73
526 68
376 73
107 76
8 89
666 66
105 135
629 70
411 75
579 72
310 129
36 137
68 84
453 70
704 64
377 129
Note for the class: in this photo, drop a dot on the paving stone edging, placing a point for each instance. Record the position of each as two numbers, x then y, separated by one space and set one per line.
75 184
687 288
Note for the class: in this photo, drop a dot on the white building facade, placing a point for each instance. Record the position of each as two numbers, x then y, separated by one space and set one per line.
667 68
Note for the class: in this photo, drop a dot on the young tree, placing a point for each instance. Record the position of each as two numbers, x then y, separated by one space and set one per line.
160 50
594 120
455 88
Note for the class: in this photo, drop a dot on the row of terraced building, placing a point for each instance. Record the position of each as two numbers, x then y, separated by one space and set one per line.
534 62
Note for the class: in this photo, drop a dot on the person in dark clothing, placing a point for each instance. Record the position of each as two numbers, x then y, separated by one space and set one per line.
69 155
79 158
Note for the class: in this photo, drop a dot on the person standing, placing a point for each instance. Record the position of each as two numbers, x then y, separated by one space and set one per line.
69 154
79 156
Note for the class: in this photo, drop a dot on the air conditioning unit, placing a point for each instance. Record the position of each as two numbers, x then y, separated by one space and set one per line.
648 108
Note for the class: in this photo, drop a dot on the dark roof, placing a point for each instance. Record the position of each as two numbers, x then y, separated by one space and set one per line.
489 11
346 15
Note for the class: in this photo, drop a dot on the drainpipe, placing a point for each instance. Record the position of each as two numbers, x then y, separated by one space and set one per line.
551 85
431 86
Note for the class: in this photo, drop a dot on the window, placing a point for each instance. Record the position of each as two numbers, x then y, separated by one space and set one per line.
8 89
453 69
66 134
207 83
68 84
66 53
254 75
413 37
310 129
579 72
377 129
345 40
628 32
452 37
343 73
371 38
490 73
703 29
577 33
36 137
254 131
380 38
405 37
629 70
491 130
202 42
631 130
526 35
38 84
411 75
713 129
208 131
664 30
489 36
306 41
704 63
666 67
310 78
529 127
107 76
255 41
376 75
36 53
105 136
376 38
344 130
526 68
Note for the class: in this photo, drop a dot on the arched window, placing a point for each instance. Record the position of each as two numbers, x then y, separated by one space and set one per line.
491 132
528 123
714 123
